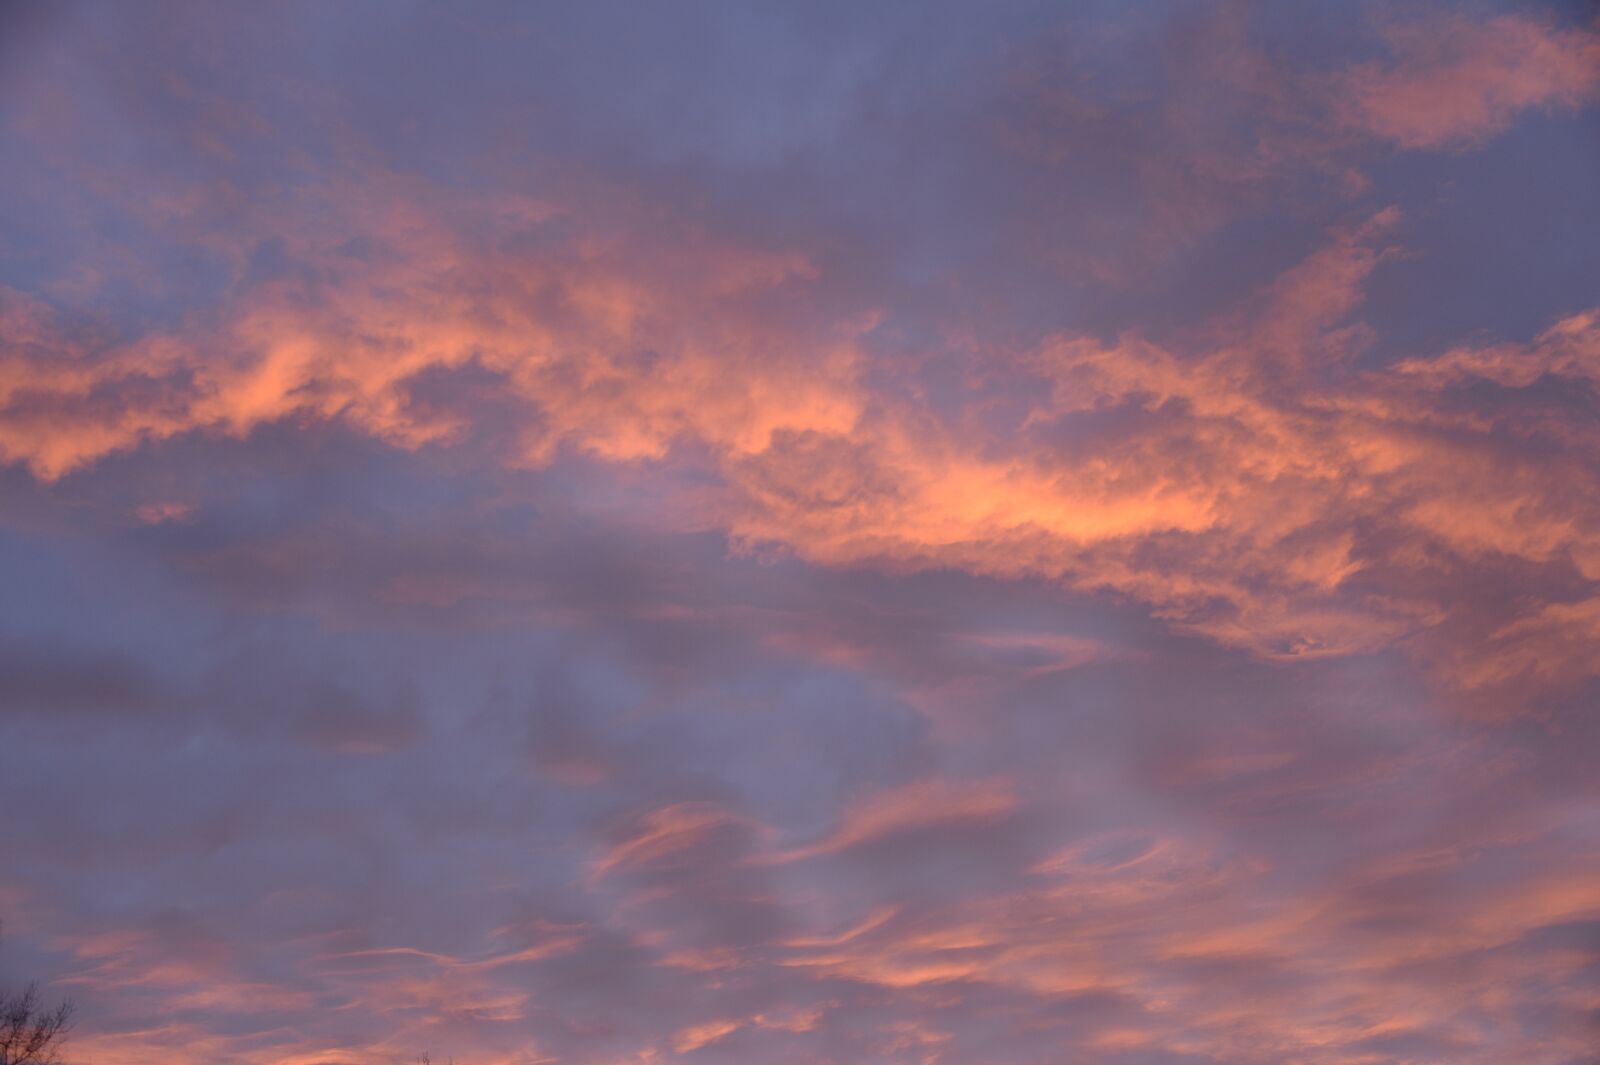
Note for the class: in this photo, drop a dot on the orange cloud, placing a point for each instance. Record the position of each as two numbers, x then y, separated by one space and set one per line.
1247 485
1187 948
700 1035
667 835
921 805
602 354
1456 81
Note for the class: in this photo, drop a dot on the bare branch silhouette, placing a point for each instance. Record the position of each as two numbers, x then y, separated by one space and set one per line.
30 1033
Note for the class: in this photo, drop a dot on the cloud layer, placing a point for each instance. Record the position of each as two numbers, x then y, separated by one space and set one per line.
756 536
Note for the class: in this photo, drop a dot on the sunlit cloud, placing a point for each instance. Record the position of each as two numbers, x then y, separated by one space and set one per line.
1455 80
999 534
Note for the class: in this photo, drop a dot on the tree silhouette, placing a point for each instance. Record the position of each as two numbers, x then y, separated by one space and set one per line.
30 1033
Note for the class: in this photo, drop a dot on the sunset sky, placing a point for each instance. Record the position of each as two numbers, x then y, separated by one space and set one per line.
917 533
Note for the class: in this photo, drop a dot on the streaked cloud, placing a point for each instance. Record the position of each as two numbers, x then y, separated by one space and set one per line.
986 534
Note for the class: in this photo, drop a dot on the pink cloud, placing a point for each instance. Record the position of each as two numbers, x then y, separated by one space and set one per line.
1455 81
987 547
1234 513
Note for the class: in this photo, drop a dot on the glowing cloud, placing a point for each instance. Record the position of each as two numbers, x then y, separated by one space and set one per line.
568 536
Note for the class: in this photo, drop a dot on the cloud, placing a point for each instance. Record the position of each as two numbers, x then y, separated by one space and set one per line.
1454 81
578 341
934 807
1244 485
979 534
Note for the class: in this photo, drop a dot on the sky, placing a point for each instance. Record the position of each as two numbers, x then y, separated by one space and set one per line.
911 533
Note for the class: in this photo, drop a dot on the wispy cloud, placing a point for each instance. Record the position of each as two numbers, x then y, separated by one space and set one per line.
977 534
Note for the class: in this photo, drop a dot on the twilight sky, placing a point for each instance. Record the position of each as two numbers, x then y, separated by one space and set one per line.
815 534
